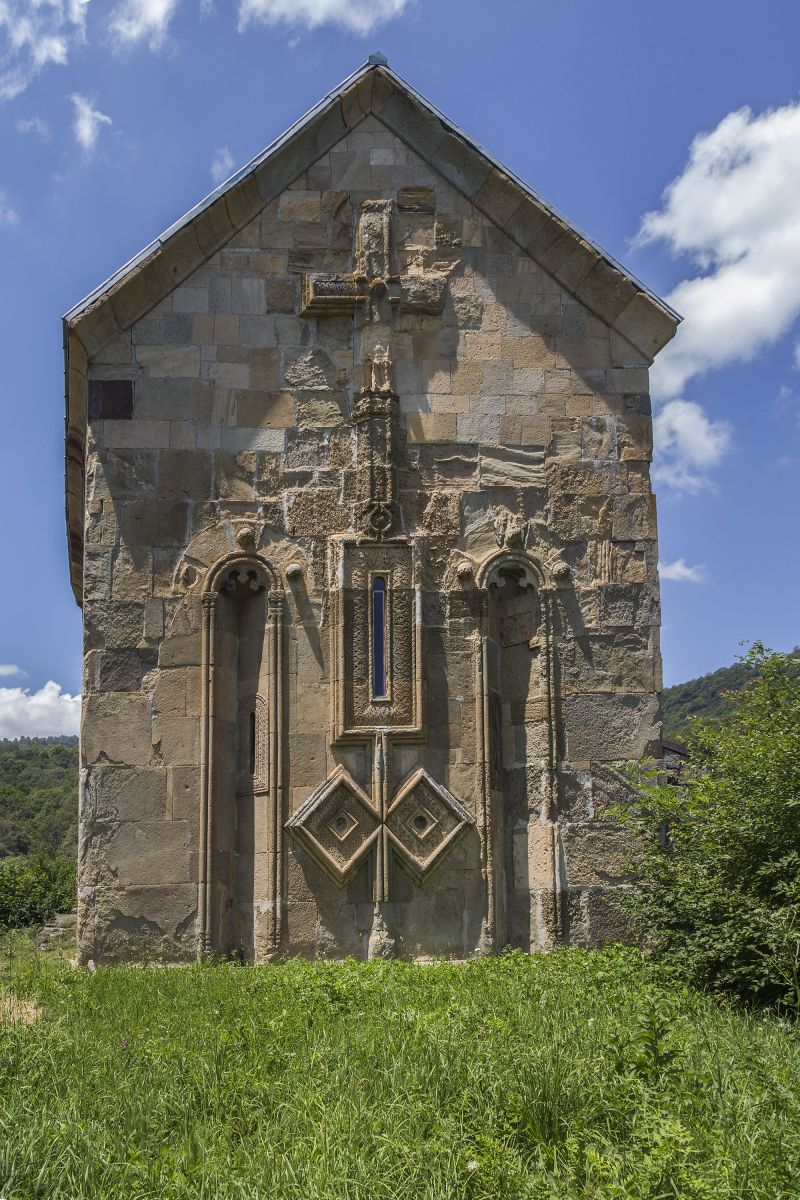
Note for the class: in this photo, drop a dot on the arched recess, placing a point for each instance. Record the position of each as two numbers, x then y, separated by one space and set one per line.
517 748
241 781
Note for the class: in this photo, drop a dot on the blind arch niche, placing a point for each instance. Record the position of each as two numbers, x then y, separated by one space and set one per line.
240 871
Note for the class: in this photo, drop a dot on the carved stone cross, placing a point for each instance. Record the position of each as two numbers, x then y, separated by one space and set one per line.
372 286
373 292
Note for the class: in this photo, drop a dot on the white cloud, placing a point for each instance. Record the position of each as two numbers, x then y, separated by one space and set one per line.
679 571
8 215
687 444
7 669
88 122
356 16
222 165
33 34
734 209
45 713
797 356
142 21
34 125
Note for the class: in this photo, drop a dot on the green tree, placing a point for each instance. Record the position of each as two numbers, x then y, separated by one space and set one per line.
38 796
719 874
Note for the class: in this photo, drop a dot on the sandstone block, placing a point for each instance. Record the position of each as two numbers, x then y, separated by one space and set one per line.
645 325
182 650
121 670
634 518
597 856
177 738
111 624
311 369
431 427
230 375
607 921
170 362
186 299
144 853
236 440
628 605
126 794
611 728
154 523
145 435
323 410
511 468
116 729
267 410
586 478
299 206
184 474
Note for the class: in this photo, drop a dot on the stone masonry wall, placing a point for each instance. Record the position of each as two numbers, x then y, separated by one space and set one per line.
524 424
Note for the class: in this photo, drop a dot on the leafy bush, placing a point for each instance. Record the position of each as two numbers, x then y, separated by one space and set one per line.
719 892
35 888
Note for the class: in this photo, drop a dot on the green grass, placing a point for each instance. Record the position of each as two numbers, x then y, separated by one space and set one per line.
569 1075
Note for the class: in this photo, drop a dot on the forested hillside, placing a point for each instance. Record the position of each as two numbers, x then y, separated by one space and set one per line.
702 697
38 796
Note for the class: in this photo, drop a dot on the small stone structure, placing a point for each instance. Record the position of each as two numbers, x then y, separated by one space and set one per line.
361 523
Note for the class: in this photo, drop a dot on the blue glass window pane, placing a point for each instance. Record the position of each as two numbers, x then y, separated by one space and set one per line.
379 637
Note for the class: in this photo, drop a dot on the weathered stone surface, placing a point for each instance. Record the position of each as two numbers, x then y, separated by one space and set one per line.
117 729
364 402
597 856
154 523
611 728
634 518
309 369
126 794
267 410
184 474
121 670
112 624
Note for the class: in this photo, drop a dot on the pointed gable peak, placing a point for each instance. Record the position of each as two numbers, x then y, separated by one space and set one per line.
570 257
593 277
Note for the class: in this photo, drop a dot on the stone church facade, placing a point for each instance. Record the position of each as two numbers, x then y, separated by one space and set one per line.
361 524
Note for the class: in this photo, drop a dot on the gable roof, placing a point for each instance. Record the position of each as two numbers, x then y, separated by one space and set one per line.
590 274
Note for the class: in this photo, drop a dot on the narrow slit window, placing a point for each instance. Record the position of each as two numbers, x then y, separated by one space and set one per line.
379 639
252 743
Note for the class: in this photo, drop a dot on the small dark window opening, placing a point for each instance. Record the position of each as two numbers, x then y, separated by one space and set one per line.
252 743
379 639
110 399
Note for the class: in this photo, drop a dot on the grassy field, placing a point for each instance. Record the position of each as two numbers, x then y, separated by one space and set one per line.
569 1075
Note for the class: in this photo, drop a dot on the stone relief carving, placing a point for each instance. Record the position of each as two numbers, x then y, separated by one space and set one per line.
339 824
376 296
401 710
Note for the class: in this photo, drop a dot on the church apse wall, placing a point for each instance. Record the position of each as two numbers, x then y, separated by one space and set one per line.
369 586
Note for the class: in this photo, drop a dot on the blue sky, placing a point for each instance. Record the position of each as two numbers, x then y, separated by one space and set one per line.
670 133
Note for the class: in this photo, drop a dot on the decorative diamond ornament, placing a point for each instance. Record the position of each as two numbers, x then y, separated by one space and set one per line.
423 822
337 824
343 824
